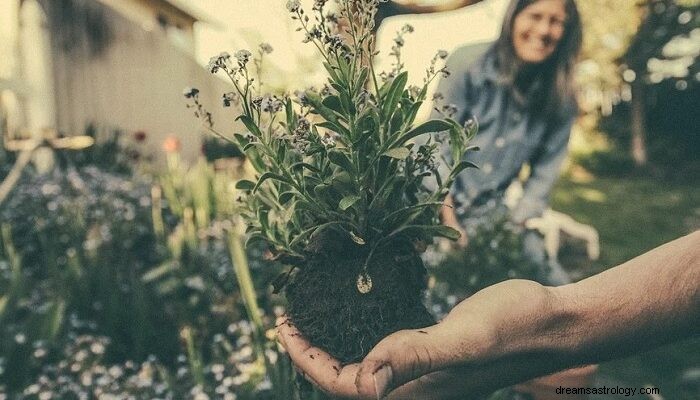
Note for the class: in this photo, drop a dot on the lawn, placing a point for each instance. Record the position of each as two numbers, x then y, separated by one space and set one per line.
633 215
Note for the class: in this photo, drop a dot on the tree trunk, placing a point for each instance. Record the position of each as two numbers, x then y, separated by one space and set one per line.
638 146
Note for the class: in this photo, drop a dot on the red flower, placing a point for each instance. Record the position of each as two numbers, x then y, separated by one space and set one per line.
139 136
171 144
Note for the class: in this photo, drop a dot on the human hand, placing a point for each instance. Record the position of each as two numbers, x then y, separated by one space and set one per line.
449 218
460 357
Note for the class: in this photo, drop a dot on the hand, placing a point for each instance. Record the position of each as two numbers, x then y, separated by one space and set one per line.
452 359
449 218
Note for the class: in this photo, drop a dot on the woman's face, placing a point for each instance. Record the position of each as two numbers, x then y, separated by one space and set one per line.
537 30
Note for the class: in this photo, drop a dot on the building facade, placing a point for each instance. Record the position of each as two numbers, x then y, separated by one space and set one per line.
114 64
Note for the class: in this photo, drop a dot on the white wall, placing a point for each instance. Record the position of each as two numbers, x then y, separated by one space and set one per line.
136 85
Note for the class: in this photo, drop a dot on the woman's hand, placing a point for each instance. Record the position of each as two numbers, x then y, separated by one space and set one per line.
449 218
452 359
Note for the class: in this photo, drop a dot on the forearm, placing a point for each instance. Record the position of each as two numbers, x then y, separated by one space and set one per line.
409 7
646 302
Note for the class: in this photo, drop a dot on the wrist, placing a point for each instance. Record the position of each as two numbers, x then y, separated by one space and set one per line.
539 328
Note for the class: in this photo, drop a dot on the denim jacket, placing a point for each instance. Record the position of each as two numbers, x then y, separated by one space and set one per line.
509 137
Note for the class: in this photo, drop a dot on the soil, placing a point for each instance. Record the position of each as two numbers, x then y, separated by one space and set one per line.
328 309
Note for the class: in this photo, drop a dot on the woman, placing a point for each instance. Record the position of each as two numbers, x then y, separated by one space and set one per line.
520 90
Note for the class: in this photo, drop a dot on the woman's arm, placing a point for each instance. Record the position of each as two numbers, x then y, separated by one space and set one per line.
545 170
401 7
518 330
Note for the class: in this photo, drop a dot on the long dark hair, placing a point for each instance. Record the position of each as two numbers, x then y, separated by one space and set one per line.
555 92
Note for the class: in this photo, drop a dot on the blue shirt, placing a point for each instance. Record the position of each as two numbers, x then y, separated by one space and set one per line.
509 137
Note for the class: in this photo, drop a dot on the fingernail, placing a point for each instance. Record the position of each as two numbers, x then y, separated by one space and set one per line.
382 380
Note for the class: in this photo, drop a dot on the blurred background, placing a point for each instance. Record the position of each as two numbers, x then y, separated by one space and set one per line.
122 266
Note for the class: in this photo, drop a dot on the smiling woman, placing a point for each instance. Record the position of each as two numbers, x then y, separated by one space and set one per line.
538 29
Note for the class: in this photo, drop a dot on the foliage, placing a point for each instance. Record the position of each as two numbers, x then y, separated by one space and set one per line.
605 41
665 46
214 148
81 255
340 158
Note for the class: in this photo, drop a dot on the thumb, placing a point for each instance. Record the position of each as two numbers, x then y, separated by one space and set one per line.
398 359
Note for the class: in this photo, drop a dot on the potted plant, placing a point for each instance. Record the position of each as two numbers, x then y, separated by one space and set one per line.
341 194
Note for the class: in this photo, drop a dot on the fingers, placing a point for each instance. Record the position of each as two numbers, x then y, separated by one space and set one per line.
402 361
400 358
316 365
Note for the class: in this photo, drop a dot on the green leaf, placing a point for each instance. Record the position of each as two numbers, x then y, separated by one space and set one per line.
341 159
394 94
245 184
396 123
429 230
399 153
317 103
285 197
333 103
249 146
434 125
250 124
361 79
348 201
255 237
289 113
331 71
406 213
471 128
412 112
324 193
242 140
262 218
457 140
269 175
461 166
300 165
314 230
356 238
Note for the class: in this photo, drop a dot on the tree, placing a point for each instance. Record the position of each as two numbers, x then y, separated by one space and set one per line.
653 58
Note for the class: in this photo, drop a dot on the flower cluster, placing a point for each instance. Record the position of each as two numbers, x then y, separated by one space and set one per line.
425 157
271 104
221 61
200 112
399 42
300 139
433 69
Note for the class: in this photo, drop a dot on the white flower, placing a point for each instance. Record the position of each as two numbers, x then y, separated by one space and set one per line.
222 61
242 56
266 48
190 92
293 5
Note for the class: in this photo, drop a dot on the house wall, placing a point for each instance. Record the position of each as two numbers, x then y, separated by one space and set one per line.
136 84
179 26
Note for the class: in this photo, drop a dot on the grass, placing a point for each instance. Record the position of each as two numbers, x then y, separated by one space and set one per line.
633 215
